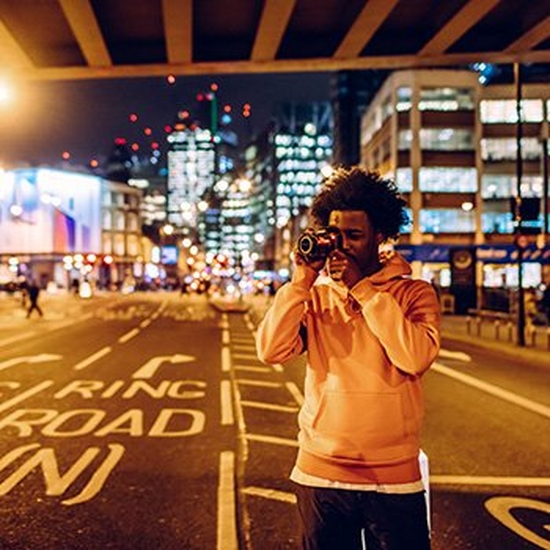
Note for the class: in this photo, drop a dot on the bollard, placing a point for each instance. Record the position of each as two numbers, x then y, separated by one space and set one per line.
531 335
468 324
497 329
478 321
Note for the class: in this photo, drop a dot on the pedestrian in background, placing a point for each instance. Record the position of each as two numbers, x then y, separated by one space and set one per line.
33 291
369 332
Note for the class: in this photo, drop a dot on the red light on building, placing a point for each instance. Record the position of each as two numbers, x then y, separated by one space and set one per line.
65 155
155 145
94 163
168 129
134 147
120 141
133 117
214 87
171 79
200 97
147 131
227 108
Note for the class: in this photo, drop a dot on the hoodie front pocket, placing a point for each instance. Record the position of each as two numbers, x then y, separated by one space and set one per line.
355 423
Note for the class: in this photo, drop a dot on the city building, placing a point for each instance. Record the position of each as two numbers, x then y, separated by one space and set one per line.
60 226
284 166
450 144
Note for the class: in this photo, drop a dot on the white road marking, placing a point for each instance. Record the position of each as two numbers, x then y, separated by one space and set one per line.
271 494
243 347
98 355
225 336
226 403
226 359
145 323
501 393
277 367
245 356
501 481
128 336
24 395
458 355
250 368
295 392
41 358
16 338
269 406
259 383
501 507
272 439
150 368
227 517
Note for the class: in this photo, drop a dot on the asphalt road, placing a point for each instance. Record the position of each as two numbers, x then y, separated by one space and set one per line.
147 422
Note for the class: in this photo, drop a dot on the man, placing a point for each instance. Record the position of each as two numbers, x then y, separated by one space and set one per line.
33 291
370 332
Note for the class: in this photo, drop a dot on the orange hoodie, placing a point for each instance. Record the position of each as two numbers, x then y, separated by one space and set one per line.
366 351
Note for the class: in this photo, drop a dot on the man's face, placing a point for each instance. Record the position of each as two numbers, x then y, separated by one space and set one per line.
360 241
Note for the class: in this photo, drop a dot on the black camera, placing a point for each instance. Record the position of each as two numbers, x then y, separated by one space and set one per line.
317 245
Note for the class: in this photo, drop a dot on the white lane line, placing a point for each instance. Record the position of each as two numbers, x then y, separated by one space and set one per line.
243 347
25 395
128 336
490 480
226 359
227 517
245 356
145 323
250 368
98 355
268 406
271 494
501 393
272 440
16 338
295 392
259 383
458 355
225 336
226 404
277 367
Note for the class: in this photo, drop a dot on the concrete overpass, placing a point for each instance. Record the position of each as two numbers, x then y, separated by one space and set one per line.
88 39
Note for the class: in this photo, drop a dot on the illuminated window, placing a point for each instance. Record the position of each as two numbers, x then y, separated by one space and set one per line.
446 99
504 186
447 180
403 179
404 99
447 221
404 140
447 139
499 149
504 110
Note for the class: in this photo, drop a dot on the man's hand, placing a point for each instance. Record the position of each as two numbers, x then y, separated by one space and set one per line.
343 268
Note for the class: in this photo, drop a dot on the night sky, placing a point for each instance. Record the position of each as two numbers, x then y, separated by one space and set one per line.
84 117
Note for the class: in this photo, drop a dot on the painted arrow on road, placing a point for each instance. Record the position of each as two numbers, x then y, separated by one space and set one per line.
150 368
42 358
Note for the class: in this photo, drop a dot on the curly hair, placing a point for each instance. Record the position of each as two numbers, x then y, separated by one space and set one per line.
356 188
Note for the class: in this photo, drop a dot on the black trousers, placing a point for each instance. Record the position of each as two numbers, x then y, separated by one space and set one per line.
337 519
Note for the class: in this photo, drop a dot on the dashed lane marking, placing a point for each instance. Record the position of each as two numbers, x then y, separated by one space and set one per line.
227 517
250 368
271 494
93 358
268 406
259 383
272 439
